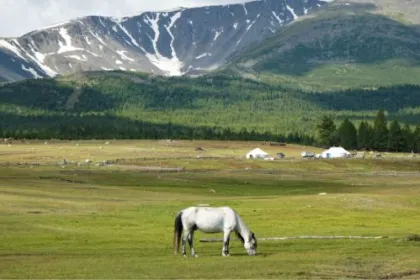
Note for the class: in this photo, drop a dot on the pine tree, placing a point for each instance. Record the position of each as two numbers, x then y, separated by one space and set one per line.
416 136
364 136
380 132
370 133
326 131
395 137
347 135
408 136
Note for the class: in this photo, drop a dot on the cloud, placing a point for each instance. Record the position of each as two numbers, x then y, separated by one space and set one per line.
21 16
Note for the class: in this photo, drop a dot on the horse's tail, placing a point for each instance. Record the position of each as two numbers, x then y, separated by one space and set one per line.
177 232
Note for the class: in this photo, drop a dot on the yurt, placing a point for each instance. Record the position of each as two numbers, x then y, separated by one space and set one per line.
335 152
256 153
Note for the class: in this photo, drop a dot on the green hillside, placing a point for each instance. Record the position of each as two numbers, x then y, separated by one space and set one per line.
129 105
344 46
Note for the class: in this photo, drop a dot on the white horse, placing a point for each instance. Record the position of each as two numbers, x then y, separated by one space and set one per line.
212 220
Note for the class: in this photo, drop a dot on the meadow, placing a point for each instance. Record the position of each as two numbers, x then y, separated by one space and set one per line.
108 211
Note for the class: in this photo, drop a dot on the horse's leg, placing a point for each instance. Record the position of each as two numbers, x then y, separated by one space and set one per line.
191 243
226 241
184 242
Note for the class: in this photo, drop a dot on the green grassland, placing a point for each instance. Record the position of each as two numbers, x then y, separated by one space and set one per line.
116 221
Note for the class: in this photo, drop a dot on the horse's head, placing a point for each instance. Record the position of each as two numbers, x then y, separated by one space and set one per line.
251 245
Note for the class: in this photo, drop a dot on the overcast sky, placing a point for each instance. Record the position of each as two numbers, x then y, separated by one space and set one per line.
21 16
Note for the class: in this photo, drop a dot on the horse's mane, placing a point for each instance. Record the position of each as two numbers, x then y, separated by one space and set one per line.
238 234
237 231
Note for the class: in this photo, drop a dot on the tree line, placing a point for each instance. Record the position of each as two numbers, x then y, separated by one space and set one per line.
217 107
381 136
108 126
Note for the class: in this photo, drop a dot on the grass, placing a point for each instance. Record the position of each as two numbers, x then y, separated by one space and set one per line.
107 222
349 76
51 152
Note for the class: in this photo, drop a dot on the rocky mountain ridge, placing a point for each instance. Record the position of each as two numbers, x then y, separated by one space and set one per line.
176 42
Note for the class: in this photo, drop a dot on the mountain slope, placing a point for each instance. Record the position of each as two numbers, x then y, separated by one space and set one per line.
406 11
347 59
182 41
347 43
118 104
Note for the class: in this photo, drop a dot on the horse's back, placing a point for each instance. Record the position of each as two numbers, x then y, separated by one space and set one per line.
210 219
222 209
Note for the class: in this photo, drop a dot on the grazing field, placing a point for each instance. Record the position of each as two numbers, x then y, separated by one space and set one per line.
108 211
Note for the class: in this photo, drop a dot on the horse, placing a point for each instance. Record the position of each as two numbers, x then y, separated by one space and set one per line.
212 220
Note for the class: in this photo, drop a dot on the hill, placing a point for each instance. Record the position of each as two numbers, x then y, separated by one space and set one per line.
118 104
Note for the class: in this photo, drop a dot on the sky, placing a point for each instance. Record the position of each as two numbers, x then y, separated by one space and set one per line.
18 17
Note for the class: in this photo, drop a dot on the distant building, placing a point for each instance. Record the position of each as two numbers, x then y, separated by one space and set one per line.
335 152
256 153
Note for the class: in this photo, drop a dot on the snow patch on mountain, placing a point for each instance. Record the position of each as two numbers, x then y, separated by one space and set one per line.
172 66
203 55
31 71
83 58
98 38
7 45
38 59
124 56
291 10
127 33
67 47
217 34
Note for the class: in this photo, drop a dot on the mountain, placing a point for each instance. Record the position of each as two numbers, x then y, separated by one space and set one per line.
177 42
351 43
347 59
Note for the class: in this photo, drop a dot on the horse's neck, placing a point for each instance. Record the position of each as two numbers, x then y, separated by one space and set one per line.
242 228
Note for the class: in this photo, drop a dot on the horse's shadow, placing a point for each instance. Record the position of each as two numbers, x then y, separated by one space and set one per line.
231 255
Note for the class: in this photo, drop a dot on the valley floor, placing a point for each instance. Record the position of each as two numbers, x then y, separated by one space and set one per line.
104 215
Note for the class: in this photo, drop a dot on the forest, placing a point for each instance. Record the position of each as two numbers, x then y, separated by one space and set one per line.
116 104
381 136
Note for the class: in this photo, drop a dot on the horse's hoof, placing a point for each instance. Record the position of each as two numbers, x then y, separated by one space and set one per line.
196 256
185 255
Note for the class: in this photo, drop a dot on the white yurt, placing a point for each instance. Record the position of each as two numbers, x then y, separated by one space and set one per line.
257 153
335 152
